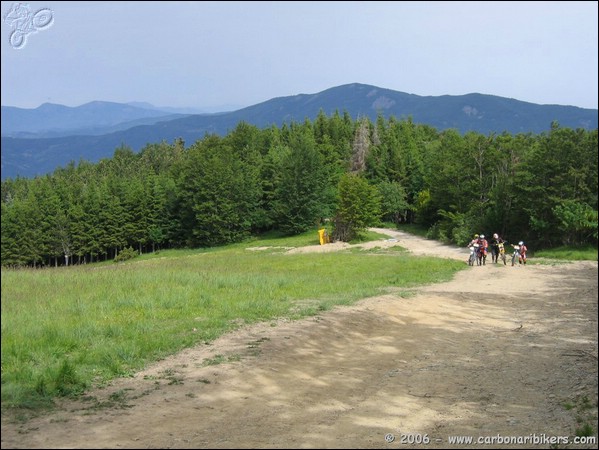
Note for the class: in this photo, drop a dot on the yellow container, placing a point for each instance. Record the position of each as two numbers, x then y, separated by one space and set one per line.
322 236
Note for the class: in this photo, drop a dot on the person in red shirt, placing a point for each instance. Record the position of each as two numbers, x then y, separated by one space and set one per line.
522 253
483 249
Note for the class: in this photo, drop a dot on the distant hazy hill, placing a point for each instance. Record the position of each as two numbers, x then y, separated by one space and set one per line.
472 112
51 120
187 111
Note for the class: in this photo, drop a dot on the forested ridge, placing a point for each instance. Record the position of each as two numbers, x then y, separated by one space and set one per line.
220 190
30 148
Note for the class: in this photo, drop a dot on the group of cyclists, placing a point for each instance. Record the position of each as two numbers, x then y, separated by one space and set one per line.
496 246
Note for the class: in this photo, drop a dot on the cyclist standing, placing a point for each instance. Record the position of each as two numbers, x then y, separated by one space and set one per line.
495 241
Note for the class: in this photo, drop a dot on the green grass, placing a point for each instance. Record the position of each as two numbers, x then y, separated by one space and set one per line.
65 330
368 236
569 253
586 415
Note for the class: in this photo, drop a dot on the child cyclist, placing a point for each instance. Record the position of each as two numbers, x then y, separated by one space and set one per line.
474 240
522 253
484 246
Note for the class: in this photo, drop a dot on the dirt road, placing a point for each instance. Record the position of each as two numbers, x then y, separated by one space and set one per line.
499 352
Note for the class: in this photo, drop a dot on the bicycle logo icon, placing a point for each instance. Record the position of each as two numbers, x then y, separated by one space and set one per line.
25 22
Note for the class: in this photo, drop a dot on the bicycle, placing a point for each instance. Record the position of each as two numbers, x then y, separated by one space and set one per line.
502 252
516 254
473 254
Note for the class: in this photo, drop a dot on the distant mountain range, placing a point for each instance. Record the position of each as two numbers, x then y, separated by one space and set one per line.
37 141
94 118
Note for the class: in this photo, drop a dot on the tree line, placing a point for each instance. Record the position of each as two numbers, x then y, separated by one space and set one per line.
356 173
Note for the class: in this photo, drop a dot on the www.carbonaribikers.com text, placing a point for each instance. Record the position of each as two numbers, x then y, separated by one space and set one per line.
534 439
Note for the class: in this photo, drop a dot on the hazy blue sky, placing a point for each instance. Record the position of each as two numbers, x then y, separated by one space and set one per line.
217 54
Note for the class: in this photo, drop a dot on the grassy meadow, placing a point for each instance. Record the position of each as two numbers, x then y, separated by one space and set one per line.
65 330
587 253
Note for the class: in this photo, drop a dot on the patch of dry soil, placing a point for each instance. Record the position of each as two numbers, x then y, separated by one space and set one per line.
497 352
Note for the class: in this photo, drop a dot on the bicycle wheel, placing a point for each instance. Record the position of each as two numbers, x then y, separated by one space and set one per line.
43 19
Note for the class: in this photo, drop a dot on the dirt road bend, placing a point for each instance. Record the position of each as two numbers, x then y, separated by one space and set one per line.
498 353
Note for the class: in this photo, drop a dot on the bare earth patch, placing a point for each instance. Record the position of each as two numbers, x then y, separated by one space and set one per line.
497 352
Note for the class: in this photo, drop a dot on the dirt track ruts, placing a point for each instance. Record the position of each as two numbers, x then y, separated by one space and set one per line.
498 351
